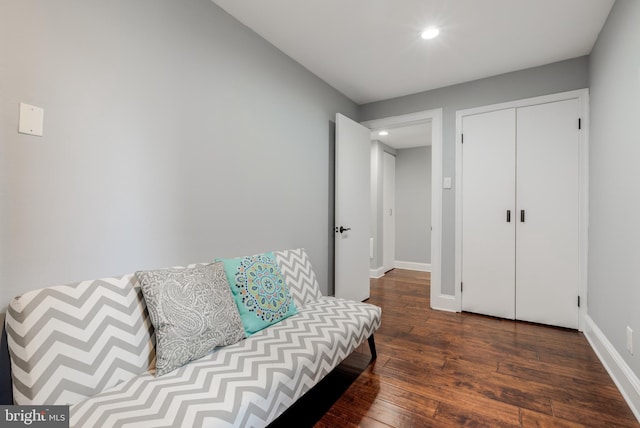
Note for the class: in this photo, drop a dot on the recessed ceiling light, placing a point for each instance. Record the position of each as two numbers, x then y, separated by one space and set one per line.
430 33
383 133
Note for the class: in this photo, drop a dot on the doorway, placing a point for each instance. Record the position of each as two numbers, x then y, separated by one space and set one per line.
434 117
401 192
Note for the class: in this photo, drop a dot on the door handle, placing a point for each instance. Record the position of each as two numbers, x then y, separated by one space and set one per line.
342 229
521 216
508 216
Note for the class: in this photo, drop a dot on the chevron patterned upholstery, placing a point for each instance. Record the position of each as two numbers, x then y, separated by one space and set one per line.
92 345
248 384
69 342
299 275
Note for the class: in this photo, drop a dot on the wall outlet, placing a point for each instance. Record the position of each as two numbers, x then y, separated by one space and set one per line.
630 340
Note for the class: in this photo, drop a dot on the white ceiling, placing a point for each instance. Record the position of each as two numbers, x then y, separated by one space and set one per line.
405 137
371 50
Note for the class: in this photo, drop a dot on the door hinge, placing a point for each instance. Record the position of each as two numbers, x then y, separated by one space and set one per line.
579 123
578 301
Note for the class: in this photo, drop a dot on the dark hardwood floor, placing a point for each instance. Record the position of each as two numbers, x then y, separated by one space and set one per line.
445 369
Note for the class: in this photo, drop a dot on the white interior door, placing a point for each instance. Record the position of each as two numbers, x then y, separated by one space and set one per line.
488 213
547 244
352 194
388 211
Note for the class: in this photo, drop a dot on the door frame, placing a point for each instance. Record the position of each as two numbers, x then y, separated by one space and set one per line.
582 95
387 231
438 299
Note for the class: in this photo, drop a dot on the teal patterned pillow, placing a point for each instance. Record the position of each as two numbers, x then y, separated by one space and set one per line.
260 291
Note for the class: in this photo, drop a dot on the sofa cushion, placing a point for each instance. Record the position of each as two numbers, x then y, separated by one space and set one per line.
247 384
192 310
260 291
69 342
299 275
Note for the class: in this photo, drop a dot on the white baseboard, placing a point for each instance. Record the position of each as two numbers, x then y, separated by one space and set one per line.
422 267
622 375
376 273
444 302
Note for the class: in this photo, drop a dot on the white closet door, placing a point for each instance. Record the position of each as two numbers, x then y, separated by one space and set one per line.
547 240
488 193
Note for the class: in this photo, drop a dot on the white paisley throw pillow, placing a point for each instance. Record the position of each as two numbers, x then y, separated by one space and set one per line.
192 311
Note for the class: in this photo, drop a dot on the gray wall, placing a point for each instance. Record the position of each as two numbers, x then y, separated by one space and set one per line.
614 206
377 151
548 79
173 134
413 205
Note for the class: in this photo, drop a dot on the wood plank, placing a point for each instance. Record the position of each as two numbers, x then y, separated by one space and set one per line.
601 411
469 414
591 416
438 386
533 419
570 378
522 394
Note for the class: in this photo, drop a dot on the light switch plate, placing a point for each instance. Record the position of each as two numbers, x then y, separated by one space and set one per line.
447 183
31 120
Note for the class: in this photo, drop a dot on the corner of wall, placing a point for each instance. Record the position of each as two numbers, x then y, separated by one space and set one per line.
376 273
622 375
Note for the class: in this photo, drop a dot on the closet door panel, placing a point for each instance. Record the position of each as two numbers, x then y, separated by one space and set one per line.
547 192
488 192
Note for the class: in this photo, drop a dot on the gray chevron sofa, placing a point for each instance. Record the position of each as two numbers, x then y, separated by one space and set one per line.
91 345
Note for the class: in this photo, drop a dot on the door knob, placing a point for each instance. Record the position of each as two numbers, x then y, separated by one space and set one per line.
342 229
